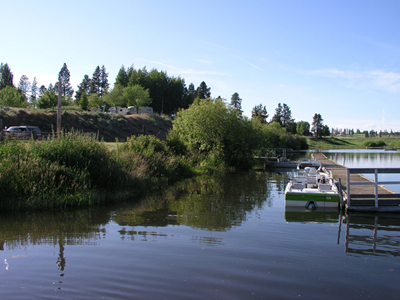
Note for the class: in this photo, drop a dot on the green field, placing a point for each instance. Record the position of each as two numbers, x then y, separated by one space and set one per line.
357 141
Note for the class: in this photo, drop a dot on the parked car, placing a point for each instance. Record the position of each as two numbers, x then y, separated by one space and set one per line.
23 132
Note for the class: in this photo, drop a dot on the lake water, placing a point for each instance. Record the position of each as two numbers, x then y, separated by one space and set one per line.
218 238
368 158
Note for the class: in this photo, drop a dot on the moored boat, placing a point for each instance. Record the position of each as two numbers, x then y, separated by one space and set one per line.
306 162
312 188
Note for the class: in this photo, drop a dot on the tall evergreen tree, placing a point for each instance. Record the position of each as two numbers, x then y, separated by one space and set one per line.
236 102
34 90
122 77
24 86
259 113
286 115
104 85
203 92
83 87
278 115
317 125
42 89
6 77
64 76
96 82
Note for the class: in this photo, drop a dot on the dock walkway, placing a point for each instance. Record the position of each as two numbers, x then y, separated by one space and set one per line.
389 201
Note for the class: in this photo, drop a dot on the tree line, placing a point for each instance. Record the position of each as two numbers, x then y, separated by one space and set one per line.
136 87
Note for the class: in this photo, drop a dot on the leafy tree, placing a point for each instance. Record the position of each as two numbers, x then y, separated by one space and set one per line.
83 88
136 96
203 92
24 86
303 128
291 127
48 100
95 83
10 96
122 77
217 130
114 97
95 101
259 113
64 76
317 125
6 77
84 101
34 90
51 87
236 101
278 115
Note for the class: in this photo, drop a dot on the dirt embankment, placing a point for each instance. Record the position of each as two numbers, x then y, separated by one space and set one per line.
109 126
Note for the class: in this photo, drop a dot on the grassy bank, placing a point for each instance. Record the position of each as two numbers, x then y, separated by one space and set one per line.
357 141
78 170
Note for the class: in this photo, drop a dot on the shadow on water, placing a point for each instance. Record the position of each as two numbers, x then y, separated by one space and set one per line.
212 204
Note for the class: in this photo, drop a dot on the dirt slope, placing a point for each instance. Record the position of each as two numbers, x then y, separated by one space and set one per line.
109 126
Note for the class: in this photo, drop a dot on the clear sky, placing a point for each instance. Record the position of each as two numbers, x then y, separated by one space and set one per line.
338 58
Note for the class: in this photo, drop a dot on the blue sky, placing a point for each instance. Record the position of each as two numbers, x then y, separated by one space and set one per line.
337 58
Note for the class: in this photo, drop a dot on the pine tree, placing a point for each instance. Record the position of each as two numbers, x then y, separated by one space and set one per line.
122 77
286 115
317 126
83 87
203 92
6 77
95 82
24 86
34 90
104 85
42 89
64 76
236 102
259 113
278 115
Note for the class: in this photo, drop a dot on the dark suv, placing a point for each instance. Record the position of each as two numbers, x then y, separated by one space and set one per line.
23 132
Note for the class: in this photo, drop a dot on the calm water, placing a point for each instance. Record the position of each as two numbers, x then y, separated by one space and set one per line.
220 238
369 159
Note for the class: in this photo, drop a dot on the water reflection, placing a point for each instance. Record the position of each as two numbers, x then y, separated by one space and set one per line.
373 234
216 204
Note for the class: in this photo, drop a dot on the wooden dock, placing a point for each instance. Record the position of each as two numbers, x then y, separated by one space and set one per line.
365 194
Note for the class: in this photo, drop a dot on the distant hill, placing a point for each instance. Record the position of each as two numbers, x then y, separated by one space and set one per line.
109 126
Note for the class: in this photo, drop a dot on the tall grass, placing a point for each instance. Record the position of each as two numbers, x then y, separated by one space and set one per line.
76 170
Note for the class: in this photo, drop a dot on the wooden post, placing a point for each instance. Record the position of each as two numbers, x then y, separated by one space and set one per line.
376 187
59 107
348 188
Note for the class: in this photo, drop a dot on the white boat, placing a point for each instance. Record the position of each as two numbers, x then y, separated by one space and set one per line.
312 188
306 162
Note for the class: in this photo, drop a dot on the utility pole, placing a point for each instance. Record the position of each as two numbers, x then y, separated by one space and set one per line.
59 107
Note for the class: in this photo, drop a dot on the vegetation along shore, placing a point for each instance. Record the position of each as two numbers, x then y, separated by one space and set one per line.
103 157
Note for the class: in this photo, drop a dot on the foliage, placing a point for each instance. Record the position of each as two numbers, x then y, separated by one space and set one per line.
259 113
303 128
84 103
236 101
317 125
6 76
10 96
64 77
219 131
136 96
373 144
48 100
